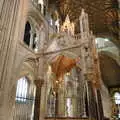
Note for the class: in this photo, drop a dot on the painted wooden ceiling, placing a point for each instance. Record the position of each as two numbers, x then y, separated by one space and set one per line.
103 15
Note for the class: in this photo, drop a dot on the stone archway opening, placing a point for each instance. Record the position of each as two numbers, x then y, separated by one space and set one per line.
25 99
27 33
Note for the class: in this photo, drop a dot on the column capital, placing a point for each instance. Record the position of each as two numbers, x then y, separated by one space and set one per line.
39 82
89 76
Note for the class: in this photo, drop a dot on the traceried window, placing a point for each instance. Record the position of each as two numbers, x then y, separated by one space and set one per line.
22 89
25 99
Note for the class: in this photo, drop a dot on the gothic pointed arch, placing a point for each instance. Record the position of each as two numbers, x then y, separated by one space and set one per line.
27 33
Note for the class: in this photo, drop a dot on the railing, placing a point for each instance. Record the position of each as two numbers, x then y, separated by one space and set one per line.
23 109
77 36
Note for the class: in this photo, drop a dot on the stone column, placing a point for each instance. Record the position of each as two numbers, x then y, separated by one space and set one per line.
42 8
82 92
37 41
42 76
10 17
31 39
87 65
38 84
56 105
83 59
99 105
1 4
42 37
61 103
91 97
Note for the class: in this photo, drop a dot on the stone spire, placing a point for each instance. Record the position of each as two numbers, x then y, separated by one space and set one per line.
68 27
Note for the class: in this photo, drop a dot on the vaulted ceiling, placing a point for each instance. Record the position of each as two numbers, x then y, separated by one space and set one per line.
103 15
110 70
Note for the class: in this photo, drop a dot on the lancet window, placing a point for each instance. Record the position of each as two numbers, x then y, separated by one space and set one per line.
27 34
25 99
22 90
32 37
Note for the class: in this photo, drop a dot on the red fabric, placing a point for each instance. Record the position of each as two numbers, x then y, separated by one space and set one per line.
63 65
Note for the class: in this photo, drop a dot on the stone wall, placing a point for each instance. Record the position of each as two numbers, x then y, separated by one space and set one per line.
12 14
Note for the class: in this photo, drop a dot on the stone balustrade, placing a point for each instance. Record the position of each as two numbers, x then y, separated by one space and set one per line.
77 36
65 118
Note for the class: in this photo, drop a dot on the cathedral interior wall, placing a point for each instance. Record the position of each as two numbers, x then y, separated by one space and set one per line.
106 101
